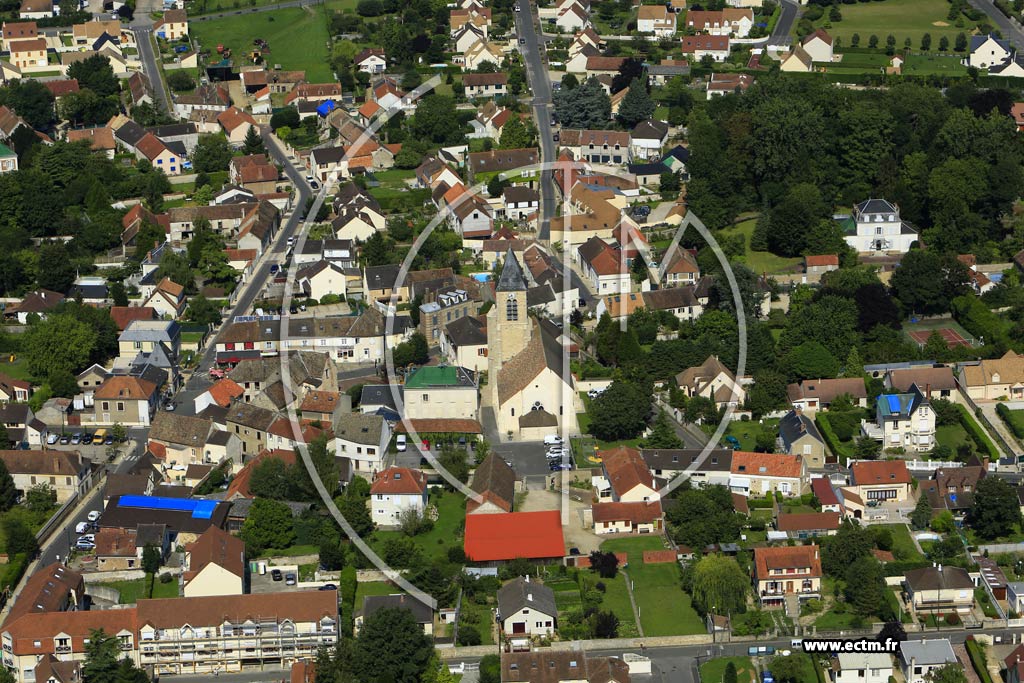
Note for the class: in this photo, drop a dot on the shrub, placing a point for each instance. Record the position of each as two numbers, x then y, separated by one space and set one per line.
1014 421
469 635
977 434
952 619
166 578
827 433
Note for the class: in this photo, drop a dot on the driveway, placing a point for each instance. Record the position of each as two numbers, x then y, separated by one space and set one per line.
575 535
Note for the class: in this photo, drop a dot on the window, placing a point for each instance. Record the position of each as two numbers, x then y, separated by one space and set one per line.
106 405
120 406
511 308
878 230
425 398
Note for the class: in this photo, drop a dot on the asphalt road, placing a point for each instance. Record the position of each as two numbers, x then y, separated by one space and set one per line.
147 54
200 380
540 86
783 27
1010 30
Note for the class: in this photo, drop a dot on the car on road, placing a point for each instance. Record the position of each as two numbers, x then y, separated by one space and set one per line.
516 8
314 184
291 241
52 439
94 515
555 137
522 41
82 544
289 579
82 527
276 574
328 587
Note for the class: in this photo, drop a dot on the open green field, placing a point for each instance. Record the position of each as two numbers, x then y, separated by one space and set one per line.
665 610
713 670
451 511
942 64
1014 419
18 369
133 591
952 436
760 261
902 18
297 37
616 600
902 544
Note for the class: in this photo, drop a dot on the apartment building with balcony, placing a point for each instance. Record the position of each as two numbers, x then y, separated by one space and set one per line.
219 634
784 571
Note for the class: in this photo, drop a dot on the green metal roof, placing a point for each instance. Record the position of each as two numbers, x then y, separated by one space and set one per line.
6 151
434 376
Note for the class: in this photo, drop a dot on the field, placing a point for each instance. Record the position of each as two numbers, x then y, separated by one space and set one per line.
941 64
18 369
902 18
1014 419
297 37
952 436
132 591
713 671
665 610
746 432
760 261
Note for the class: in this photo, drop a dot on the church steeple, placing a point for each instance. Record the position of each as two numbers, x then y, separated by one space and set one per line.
512 278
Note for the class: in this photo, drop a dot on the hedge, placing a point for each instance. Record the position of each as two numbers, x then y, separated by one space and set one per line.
1014 422
975 431
978 660
834 445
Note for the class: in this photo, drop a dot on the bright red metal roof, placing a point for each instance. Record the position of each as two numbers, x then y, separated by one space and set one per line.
531 535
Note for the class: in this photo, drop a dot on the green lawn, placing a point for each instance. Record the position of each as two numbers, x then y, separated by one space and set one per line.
297 38
616 599
713 670
451 509
952 436
368 588
294 551
835 621
941 64
901 18
902 544
665 610
761 261
483 621
1014 419
746 431
18 369
133 591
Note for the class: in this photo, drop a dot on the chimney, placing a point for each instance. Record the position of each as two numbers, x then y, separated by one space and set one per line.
928 391
529 597
913 665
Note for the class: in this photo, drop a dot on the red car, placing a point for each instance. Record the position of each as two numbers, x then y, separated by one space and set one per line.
217 373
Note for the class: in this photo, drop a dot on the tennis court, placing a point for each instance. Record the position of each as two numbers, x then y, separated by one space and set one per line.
950 331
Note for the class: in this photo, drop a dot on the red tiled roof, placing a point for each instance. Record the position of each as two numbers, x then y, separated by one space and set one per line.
785 557
62 87
123 315
531 535
626 469
239 486
809 521
399 481
880 472
224 390
821 260
216 546
131 388
635 513
766 464
822 489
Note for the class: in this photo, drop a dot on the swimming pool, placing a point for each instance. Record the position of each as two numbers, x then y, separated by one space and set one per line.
481 277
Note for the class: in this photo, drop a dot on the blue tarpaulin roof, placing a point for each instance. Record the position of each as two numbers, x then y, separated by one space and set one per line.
200 509
325 107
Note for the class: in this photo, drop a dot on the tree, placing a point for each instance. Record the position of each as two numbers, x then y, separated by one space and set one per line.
41 499
865 586
719 585
620 412
669 184
285 117
632 69
636 106
332 555
202 310
150 559
944 44
5 439
20 538
31 100
269 525
730 673
810 360
407 158
516 135
393 647
253 143
212 153
873 41
921 517
101 653
790 668
662 434
96 74
435 120
961 42
586 106
892 630
850 543
412 352
996 511
605 564
926 42
454 461
180 81
569 81
60 271
950 673
59 343
490 669
605 624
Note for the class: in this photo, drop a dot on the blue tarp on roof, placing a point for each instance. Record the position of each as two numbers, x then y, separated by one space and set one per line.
894 402
326 107
200 509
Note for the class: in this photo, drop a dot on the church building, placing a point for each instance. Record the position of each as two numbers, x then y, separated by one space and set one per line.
532 388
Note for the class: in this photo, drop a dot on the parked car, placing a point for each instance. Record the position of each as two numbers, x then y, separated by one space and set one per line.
314 184
328 587
732 442
94 516
82 544
109 440
275 574
52 439
401 443
76 439
552 439
65 439
289 579
82 527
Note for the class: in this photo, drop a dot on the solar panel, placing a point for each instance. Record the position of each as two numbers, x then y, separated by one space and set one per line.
200 509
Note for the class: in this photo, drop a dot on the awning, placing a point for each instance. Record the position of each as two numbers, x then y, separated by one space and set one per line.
739 482
236 356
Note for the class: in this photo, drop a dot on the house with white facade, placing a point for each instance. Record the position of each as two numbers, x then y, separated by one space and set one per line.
876 226
527 608
393 492
363 439
758 474
656 20
918 658
988 51
903 421
711 379
604 266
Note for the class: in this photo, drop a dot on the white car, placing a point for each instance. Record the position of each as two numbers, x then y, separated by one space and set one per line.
52 439
400 443
82 527
94 515
91 538
594 393
552 439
